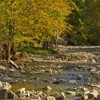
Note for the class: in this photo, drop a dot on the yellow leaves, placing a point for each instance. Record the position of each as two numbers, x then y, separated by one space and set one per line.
39 18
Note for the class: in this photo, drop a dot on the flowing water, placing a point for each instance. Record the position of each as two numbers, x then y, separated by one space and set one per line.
67 79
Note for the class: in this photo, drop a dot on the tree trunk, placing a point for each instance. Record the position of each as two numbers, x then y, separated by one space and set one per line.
8 52
56 42
11 51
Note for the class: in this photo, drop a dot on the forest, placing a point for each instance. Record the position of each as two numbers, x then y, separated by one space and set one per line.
40 23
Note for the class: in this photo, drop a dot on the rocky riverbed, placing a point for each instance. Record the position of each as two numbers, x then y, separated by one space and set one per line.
72 74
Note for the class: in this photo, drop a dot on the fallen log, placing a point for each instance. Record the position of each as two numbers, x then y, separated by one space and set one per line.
14 65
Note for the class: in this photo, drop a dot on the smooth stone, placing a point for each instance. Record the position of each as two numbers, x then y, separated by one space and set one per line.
56 95
1 85
20 91
90 96
50 98
62 96
6 85
72 81
71 93
78 77
56 82
85 97
36 97
95 93
47 88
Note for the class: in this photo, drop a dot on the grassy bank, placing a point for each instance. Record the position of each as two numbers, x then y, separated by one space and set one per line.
35 50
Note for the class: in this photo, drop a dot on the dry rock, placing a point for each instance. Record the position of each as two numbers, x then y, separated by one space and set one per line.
1 85
62 96
50 98
56 95
73 93
21 91
47 88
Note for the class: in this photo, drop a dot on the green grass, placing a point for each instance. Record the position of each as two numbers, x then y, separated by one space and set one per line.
34 50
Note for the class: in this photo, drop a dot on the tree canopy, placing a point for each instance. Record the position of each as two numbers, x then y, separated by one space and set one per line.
34 22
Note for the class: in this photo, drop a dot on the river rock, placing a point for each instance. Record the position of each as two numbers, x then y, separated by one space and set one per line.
21 91
7 94
73 93
78 77
92 69
1 85
11 95
36 97
56 82
2 67
98 97
6 85
47 88
95 93
85 90
56 95
41 94
85 97
50 71
73 81
90 96
50 98
62 96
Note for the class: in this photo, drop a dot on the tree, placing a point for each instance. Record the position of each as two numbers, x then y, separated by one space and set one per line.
77 36
42 19
85 22
31 22
92 21
7 28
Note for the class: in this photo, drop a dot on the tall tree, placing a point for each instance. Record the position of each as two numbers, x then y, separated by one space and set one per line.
42 20
77 35
85 22
7 27
32 21
92 21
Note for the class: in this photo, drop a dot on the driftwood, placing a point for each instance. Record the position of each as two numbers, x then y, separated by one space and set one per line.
14 64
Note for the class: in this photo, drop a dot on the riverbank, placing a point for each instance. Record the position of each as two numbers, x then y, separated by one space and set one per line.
75 71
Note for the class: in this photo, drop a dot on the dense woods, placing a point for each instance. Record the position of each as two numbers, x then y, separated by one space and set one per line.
38 23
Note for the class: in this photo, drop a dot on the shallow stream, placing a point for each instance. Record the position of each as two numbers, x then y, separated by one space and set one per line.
61 81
